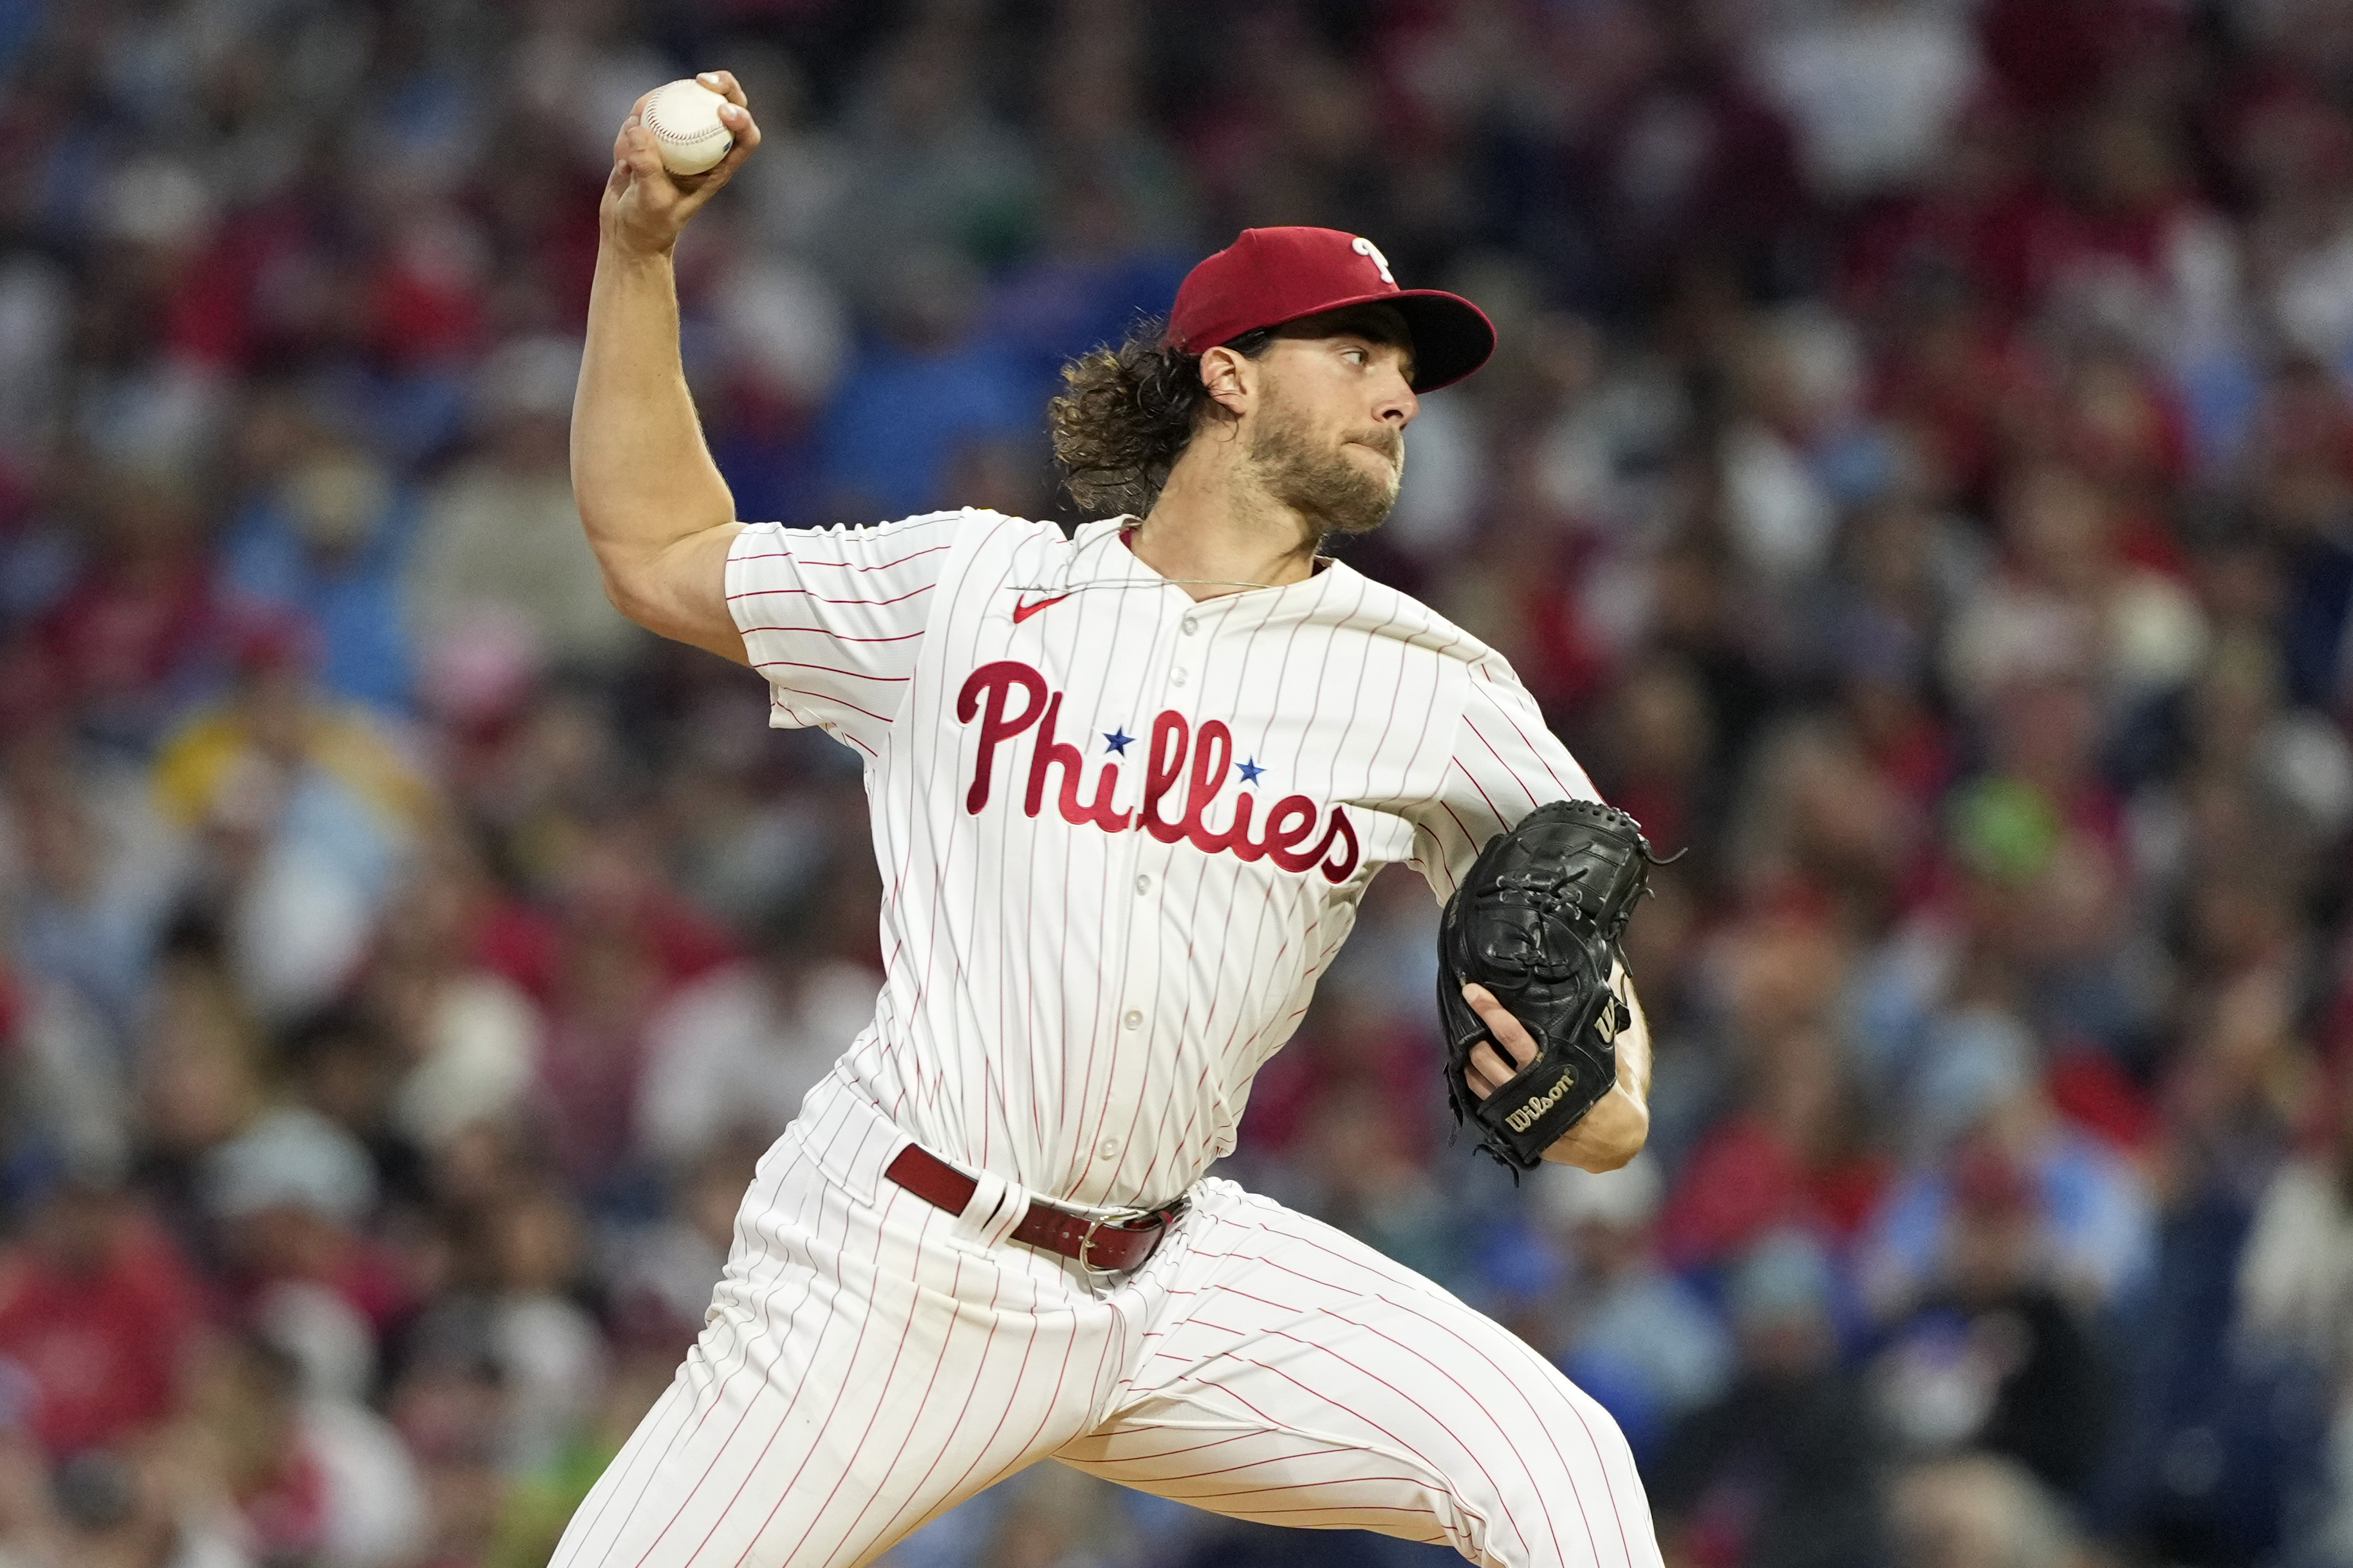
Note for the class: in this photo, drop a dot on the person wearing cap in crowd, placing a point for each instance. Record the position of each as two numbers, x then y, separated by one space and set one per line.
1127 787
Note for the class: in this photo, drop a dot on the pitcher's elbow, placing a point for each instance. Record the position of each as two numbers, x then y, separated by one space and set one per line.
629 588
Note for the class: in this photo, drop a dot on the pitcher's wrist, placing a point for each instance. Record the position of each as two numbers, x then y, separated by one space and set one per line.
631 245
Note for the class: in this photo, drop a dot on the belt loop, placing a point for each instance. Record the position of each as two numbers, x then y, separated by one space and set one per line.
997 1205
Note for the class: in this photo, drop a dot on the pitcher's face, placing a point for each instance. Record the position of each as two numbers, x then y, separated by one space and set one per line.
1328 434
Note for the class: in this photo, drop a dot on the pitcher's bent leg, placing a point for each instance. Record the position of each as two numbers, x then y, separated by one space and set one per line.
1295 1377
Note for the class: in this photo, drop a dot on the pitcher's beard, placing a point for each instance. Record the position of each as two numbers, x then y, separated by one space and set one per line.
1334 492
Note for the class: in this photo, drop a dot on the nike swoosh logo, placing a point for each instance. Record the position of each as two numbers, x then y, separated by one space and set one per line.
1023 612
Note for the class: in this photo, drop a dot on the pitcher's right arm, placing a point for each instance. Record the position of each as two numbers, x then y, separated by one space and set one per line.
658 512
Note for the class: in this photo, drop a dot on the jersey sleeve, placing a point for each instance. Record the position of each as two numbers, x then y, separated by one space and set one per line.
833 618
1503 765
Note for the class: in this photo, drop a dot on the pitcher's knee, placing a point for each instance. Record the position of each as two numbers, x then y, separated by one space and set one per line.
1563 1494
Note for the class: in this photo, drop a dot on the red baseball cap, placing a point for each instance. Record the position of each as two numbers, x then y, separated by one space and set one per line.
1270 275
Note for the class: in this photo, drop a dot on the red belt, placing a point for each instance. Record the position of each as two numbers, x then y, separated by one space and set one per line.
1110 1246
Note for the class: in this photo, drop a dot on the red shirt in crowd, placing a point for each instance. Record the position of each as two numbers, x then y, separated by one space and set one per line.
96 1309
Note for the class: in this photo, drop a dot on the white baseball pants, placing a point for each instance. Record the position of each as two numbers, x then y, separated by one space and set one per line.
871 1361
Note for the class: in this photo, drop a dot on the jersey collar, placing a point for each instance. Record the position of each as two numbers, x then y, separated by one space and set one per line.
1101 553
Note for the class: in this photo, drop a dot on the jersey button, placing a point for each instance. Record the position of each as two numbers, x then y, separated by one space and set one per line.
1190 625
1178 679
1107 1147
1135 1019
1143 884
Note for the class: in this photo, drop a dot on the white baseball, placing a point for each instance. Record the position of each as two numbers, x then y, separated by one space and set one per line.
683 117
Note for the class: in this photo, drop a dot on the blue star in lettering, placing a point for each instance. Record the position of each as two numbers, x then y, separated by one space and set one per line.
1116 741
1249 770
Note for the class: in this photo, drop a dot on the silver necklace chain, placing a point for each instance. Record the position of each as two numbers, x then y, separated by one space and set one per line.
1153 582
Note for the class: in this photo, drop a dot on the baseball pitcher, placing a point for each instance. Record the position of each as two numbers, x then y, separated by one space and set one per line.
1127 788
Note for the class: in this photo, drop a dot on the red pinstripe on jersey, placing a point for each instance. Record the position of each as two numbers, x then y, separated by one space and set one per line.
812 594
825 669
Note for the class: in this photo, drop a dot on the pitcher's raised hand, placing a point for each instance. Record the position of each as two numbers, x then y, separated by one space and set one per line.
646 206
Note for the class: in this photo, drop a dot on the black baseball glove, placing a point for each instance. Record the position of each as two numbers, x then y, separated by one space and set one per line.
1538 923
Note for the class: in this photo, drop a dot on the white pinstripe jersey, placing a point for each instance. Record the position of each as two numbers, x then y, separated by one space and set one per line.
1121 832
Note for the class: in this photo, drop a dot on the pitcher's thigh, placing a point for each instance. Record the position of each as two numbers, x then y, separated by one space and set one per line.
1298 1377
823 1414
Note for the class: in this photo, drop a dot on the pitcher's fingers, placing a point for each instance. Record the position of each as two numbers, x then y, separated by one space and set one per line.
700 189
725 84
739 120
1501 1024
1487 1072
637 116
638 152
740 125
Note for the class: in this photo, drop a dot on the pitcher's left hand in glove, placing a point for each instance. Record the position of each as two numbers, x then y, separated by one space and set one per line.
1528 964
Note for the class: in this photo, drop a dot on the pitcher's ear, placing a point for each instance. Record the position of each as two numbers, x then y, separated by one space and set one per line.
1223 378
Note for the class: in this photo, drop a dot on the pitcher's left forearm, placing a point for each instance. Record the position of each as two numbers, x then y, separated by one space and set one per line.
1614 1130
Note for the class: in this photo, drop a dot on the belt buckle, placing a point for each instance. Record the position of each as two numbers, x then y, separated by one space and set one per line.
1088 1240
1166 1217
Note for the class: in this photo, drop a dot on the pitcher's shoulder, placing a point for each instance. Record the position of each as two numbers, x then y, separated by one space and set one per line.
1380 611
978 539
986 532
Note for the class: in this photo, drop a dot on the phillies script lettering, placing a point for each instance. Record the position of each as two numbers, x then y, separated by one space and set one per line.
1011 699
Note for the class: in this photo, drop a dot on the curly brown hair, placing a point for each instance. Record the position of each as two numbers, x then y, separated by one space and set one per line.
1127 413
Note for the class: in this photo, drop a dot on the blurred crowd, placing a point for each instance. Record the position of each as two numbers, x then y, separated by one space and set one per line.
1918 477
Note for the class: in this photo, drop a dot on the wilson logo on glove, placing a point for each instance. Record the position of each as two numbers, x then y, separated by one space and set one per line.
1523 1119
